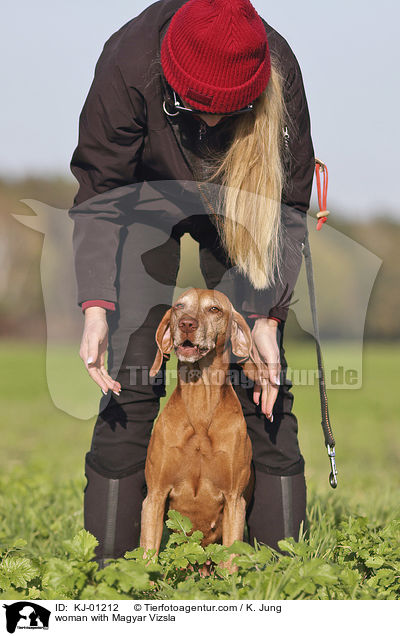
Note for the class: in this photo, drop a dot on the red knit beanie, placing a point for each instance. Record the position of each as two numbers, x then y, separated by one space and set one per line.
215 54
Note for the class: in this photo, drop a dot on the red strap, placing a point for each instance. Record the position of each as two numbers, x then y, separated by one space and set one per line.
322 193
98 303
264 316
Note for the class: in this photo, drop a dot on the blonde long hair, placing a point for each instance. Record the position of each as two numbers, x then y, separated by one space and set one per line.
252 171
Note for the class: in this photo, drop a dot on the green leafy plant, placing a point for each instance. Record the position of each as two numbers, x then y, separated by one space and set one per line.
351 558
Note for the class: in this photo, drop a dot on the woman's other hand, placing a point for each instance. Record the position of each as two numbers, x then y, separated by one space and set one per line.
266 354
93 349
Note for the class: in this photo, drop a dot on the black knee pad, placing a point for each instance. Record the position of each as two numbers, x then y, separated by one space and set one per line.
112 511
278 508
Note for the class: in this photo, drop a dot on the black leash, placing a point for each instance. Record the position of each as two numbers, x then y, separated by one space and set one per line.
325 423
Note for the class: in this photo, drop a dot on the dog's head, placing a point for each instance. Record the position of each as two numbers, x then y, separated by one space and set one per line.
200 322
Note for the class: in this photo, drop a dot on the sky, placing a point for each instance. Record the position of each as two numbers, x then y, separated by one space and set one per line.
348 51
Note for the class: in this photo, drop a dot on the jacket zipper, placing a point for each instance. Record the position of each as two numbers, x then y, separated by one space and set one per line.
202 130
286 137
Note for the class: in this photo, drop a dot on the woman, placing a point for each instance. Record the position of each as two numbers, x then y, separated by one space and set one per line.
199 91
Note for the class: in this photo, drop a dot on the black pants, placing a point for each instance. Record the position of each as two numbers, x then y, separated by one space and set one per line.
148 266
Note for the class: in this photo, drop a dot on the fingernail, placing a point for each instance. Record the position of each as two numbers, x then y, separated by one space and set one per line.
117 393
105 392
277 381
89 360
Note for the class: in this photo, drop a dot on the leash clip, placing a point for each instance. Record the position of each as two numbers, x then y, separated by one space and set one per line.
333 476
322 192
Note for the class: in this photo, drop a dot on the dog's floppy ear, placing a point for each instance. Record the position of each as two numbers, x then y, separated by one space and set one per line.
240 337
242 346
164 342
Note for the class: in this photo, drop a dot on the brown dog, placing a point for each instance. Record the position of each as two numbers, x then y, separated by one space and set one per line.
199 456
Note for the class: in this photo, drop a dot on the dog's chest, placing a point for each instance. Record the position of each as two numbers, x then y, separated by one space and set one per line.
201 458
195 445
199 447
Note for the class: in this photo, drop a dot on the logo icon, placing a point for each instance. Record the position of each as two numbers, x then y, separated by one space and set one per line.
26 615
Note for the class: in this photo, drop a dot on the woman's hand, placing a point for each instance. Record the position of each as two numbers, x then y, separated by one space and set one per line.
94 347
266 355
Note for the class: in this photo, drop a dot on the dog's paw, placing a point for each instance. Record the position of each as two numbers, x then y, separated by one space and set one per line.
229 565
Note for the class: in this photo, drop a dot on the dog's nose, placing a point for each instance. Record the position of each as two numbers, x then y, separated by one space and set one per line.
188 324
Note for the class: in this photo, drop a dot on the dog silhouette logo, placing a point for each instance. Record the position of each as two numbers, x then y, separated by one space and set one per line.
26 615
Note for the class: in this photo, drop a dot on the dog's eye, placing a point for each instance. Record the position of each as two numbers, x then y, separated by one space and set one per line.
179 306
214 309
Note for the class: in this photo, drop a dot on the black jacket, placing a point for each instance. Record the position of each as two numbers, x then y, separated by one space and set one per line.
125 137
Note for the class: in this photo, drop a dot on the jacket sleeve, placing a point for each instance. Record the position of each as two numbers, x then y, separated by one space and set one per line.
295 199
111 132
104 304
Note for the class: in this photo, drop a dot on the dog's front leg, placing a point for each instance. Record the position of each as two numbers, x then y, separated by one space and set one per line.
152 521
233 519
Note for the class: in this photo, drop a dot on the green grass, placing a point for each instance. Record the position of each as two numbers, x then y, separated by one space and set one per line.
43 448
365 421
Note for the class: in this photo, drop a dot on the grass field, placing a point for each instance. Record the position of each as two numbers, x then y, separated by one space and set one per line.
42 457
